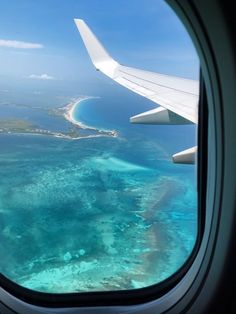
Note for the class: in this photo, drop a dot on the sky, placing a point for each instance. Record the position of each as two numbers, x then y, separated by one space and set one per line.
39 41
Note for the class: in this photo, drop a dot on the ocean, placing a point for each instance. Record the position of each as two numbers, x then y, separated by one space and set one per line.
95 214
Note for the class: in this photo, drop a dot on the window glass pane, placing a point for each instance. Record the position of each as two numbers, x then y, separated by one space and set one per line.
88 200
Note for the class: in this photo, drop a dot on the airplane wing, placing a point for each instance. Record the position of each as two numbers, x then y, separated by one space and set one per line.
176 97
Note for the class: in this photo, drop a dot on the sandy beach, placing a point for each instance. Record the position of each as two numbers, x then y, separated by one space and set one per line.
69 115
69 110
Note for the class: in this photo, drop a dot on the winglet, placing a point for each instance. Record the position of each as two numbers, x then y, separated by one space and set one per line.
99 56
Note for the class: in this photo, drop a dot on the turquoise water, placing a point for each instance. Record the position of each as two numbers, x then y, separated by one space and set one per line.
96 214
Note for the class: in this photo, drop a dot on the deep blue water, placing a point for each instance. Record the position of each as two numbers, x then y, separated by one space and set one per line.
110 113
96 214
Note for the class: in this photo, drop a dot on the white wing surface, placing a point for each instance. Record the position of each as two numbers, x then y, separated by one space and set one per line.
178 97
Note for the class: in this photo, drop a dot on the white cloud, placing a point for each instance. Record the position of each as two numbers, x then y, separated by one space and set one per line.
42 77
36 92
19 44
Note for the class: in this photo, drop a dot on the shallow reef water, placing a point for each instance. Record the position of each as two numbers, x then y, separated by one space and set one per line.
95 214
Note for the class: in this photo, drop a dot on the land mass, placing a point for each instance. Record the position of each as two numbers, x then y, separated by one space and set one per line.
67 112
21 126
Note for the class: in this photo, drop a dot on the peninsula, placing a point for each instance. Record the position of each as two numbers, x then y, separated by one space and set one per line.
67 112
22 126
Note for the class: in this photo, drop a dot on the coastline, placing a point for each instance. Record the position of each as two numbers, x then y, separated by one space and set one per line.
23 127
69 111
68 115
52 134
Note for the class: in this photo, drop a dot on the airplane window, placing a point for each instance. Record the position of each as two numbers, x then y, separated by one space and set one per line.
98 188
